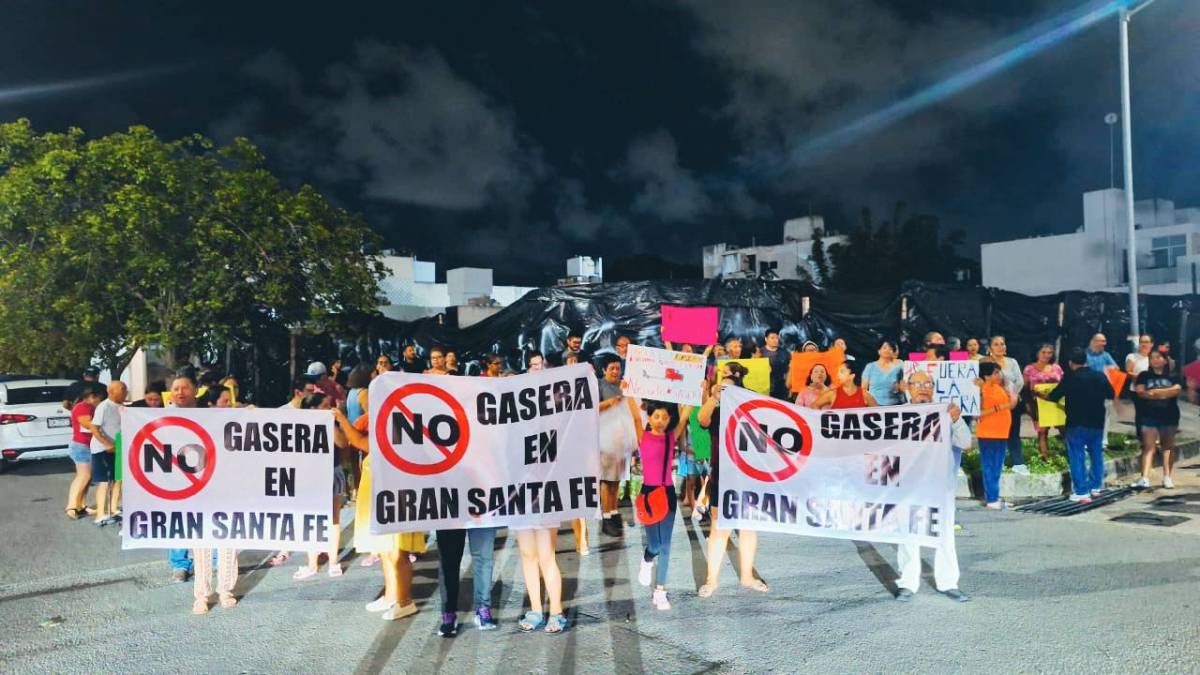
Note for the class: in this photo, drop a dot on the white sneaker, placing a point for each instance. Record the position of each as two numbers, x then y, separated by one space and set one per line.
1020 469
645 573
1168 483
659 600
1081 499
380 604
1142 483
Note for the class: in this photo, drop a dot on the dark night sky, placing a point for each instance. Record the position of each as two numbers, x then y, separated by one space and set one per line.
513 136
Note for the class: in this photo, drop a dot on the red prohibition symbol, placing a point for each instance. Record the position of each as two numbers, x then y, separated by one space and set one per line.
451 454
793 460
146 435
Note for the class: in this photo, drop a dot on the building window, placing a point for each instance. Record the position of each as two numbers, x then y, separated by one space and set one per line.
1166 249
764 266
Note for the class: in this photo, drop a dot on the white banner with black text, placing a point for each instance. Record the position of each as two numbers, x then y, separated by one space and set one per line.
453 452
876 474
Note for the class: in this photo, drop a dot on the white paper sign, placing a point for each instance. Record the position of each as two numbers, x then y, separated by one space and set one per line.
454 452
953 382
240 478
664 375
872 474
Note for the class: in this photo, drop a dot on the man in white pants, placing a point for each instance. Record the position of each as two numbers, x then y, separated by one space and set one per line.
945 557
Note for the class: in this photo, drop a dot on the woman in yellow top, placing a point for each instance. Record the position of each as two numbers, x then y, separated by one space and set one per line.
393 549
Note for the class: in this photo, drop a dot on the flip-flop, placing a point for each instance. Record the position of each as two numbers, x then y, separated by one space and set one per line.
75 514
531 621
707 590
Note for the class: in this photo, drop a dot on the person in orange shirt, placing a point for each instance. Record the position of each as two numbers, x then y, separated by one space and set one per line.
992 430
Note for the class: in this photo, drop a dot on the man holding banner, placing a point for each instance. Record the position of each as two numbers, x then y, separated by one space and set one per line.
945 556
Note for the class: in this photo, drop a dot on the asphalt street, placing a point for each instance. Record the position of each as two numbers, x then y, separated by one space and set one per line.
1049 594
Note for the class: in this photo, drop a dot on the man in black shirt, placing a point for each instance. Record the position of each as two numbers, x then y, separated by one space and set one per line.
1085 390
75 389
409 362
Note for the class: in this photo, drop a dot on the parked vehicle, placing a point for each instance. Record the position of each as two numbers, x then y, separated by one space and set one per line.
33 424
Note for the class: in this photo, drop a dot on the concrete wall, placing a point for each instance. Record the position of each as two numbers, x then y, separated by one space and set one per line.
1045 265
465 283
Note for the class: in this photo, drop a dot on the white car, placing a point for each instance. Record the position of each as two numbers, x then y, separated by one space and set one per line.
33 424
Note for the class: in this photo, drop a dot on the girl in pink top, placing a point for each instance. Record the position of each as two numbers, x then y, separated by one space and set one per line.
656 447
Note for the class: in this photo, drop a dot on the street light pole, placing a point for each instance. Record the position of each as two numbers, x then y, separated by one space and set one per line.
1127 146
1127 149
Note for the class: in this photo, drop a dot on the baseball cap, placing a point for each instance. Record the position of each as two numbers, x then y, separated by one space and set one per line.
91 370
316 369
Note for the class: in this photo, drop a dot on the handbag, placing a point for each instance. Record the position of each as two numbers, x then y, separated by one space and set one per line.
651 507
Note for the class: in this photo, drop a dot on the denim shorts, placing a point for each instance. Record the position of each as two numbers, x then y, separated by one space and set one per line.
80 453
102 467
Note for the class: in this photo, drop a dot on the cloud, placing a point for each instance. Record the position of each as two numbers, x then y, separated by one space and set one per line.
400 124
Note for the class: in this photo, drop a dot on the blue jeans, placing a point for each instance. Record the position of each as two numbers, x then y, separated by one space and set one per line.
180 559
991 462
1015 454
658 541
450 550
1085 444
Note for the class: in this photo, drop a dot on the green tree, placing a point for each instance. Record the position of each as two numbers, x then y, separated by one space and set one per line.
820 259
907 247
115 243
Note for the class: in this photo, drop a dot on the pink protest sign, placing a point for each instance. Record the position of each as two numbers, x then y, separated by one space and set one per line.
689 325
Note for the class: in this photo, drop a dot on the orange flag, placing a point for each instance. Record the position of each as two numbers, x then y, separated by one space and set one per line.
1117 377
803 362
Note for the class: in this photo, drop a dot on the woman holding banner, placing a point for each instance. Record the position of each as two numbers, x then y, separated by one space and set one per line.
718 537
393 549
656 447
1042 371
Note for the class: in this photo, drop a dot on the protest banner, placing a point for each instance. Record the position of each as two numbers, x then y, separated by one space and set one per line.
454 452
1050 413
689 325
803 362
879 474
228 478
758 373
664 375
953 382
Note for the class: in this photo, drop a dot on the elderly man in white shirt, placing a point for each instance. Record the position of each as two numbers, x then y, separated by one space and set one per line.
945 557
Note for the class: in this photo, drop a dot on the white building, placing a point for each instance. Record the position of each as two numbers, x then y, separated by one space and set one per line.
410 291
790 260
1093 257
582 270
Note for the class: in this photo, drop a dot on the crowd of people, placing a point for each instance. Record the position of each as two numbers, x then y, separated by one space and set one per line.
674 462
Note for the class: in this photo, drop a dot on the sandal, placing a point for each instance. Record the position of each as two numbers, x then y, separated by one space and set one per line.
531 622
707 590
228 601
279 558
200 607
75 514
335 570
556 624
756 585
305 572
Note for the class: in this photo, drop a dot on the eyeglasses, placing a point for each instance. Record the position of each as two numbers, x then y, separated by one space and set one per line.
921 385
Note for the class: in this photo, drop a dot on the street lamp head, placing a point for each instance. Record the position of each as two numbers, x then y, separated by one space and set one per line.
1110 119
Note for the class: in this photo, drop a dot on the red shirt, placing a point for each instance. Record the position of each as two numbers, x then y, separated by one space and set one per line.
81 434
843 400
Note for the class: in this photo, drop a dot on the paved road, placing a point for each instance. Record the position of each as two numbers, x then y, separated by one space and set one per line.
1050 595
